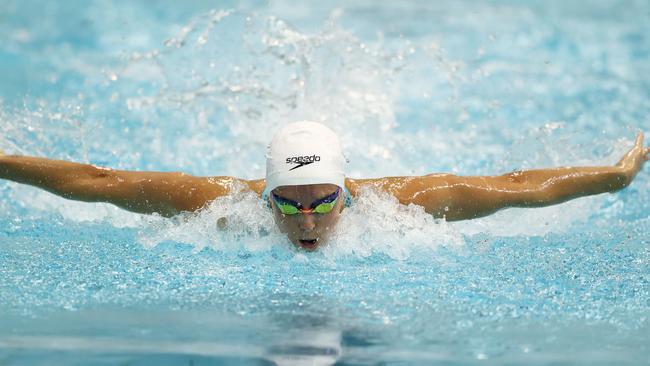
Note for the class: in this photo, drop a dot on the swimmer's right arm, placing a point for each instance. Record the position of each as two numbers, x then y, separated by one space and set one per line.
165 193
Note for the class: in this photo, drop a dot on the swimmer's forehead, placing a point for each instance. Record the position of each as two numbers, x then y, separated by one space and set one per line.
307 192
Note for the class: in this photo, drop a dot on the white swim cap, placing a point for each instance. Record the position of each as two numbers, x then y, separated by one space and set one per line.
304 153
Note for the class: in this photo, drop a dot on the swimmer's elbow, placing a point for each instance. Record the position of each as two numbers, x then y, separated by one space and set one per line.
85 185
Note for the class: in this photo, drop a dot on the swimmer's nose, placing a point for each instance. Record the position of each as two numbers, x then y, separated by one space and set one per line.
307 222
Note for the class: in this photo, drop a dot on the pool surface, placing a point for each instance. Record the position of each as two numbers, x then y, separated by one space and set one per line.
465 87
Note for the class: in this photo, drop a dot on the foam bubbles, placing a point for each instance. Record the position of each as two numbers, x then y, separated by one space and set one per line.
378 224
240 220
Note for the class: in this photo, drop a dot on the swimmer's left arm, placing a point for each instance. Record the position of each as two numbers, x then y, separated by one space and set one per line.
460 198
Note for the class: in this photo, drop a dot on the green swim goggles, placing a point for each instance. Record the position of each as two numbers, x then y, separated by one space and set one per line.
321 206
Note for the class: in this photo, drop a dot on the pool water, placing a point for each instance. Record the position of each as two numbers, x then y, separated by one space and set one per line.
465 87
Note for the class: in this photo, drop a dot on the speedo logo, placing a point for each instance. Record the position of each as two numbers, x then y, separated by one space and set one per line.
302 160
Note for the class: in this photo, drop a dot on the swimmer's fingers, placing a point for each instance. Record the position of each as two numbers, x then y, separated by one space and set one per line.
635 154
639 141
638 144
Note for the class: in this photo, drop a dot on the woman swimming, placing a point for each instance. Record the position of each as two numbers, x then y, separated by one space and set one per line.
306 188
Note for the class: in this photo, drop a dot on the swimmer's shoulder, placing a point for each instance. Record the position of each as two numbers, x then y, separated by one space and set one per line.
401 187
256 185
224 185
355 185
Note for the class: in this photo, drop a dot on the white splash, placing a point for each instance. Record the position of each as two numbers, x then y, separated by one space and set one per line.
378 224
239 220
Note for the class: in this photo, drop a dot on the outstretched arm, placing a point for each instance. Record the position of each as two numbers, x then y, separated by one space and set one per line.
144 192
461 198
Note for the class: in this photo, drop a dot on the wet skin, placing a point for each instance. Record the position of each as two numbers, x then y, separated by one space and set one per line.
307 230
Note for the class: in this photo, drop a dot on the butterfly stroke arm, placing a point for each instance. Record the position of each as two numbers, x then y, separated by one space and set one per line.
460 198
166 193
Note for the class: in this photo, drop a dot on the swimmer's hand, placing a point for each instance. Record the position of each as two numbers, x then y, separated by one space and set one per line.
632 162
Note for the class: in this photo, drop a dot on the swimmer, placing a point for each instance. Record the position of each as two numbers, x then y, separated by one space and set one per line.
307 190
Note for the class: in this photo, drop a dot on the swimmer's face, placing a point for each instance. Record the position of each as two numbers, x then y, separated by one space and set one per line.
307 230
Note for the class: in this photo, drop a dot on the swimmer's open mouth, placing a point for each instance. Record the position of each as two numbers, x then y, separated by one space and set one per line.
308 243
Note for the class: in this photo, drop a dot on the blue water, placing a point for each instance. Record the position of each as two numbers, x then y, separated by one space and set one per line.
464 87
